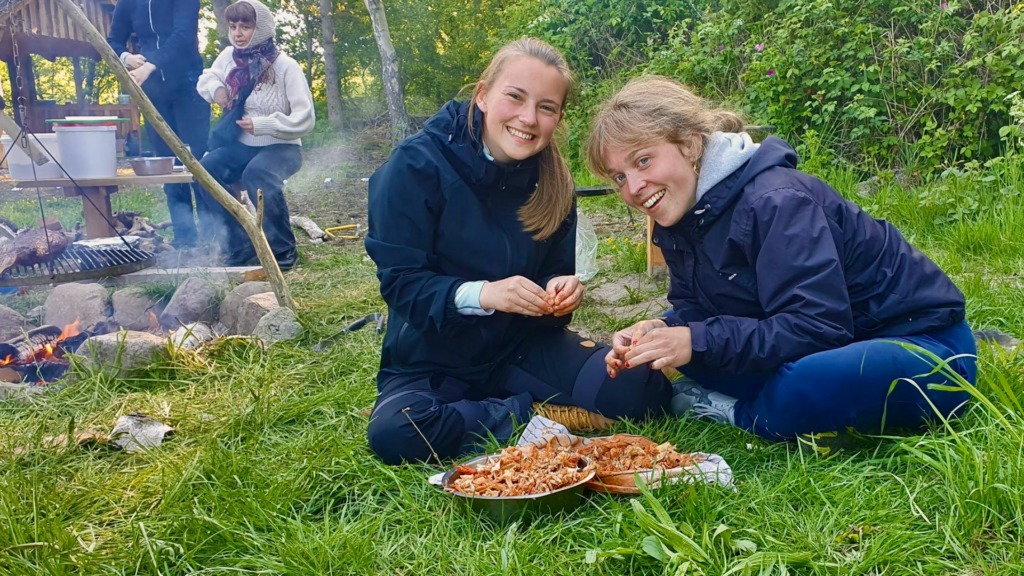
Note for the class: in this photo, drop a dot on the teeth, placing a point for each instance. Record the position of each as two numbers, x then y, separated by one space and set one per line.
519 134
653 199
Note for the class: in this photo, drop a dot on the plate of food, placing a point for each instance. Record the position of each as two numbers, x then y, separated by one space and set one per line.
620 460
521 481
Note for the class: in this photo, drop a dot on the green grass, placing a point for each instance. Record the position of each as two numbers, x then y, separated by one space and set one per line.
25 208
269 471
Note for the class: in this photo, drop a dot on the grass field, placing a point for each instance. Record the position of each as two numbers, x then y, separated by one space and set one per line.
269 471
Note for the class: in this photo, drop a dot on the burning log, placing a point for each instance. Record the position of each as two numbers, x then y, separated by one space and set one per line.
38 355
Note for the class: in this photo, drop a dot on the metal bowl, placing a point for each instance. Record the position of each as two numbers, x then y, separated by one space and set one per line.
152 166
503 509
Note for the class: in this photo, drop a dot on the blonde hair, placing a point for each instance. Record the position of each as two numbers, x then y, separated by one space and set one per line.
652 108
551 202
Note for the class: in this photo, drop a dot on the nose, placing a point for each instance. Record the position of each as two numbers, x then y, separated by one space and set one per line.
634 183
528 116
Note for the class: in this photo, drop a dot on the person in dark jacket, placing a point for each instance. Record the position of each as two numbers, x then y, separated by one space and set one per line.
472 226
167 65
793 311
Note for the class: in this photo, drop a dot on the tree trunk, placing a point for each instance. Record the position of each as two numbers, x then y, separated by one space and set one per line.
219 6
310 55
331 78
251 225
400 125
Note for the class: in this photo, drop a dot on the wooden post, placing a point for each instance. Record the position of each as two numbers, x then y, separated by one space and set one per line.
249 223
655 259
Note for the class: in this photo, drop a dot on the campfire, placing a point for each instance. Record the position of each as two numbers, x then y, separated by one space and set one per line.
38 355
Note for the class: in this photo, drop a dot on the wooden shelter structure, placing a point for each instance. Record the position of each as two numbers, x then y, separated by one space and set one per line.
41 27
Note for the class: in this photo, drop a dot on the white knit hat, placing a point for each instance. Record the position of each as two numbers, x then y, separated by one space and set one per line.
264 23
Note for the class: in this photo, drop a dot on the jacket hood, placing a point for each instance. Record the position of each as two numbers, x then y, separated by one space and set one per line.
264 29
771 153
450 129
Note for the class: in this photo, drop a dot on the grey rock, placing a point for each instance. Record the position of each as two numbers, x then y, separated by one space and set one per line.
12 324
190 336
87 303
121 352
229 306
277 325
132 309
252 309
195 300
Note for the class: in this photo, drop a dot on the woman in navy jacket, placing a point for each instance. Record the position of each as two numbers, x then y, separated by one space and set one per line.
789 303
167 65
472 225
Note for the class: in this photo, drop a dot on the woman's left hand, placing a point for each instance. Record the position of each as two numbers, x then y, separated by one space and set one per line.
141 74
245 124
565 294
662 348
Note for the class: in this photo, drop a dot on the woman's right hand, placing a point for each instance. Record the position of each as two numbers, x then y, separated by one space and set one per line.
220 98
624 340
517 295
133 61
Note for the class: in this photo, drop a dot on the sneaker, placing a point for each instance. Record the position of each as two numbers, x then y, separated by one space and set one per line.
574 418
691 399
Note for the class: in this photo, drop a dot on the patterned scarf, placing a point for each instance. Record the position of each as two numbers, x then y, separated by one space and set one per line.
250 64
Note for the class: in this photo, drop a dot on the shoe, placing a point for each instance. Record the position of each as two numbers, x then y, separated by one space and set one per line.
691 399
574 418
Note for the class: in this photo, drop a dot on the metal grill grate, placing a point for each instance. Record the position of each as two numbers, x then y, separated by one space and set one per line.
80 264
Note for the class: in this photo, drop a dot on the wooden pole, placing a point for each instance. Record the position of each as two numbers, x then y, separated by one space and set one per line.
249 223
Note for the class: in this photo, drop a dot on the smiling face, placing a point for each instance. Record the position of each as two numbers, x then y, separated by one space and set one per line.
657 179
240 33
521 108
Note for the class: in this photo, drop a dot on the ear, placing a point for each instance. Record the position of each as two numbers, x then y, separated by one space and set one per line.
693 147
480 96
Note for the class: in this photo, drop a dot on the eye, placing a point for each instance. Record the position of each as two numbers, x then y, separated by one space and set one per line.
643 161
619 179
549 109
514 96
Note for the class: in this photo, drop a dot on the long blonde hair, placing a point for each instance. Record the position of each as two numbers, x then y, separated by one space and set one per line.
653 108
551 202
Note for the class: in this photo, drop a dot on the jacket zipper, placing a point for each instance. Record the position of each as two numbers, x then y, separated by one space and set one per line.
149 6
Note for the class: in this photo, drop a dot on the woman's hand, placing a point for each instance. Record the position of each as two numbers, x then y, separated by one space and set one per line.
133 61
245 124
625 341
661 348
141 74
565 294
517 295
220 98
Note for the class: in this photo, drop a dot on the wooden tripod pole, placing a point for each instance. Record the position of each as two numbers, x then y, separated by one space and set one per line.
251 225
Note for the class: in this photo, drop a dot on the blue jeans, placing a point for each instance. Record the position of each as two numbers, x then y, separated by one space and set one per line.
849 387
188 115
255 168
419 415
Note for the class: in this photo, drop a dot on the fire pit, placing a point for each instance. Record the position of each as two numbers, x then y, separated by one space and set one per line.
38 355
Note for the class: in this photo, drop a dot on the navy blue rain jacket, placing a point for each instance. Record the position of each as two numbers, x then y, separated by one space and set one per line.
773 264
168 34
441 214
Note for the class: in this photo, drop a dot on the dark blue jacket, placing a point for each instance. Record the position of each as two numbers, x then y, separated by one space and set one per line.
168 34
773 264
441 214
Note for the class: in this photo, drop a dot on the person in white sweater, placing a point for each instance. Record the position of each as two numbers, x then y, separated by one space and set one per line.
267 109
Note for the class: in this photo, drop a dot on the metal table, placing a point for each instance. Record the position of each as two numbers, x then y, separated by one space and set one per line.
96 193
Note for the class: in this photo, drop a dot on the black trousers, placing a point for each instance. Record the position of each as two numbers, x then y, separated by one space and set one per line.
188 115
255 168
420 415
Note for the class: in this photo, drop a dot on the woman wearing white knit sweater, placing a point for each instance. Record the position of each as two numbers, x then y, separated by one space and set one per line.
267 108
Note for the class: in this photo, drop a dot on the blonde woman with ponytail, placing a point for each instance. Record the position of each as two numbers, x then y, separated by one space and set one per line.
794 313
472 226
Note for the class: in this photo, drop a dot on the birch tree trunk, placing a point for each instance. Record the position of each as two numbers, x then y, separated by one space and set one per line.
331 78
219 6
400 125
251 225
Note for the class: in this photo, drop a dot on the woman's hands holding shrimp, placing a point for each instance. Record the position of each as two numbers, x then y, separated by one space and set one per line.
649 341
565 294
516 294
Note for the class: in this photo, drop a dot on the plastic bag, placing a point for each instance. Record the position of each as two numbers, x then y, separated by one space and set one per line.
586 248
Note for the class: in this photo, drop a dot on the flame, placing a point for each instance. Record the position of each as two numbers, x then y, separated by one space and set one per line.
49 350
154 322
70 331
8 360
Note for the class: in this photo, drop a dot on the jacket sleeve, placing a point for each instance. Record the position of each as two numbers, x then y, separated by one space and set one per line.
121 28
405 205
299 119
216 76
184 35
800 285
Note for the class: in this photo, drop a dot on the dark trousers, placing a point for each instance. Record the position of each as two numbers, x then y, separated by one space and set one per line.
419 416
870 386
188 115
255 168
